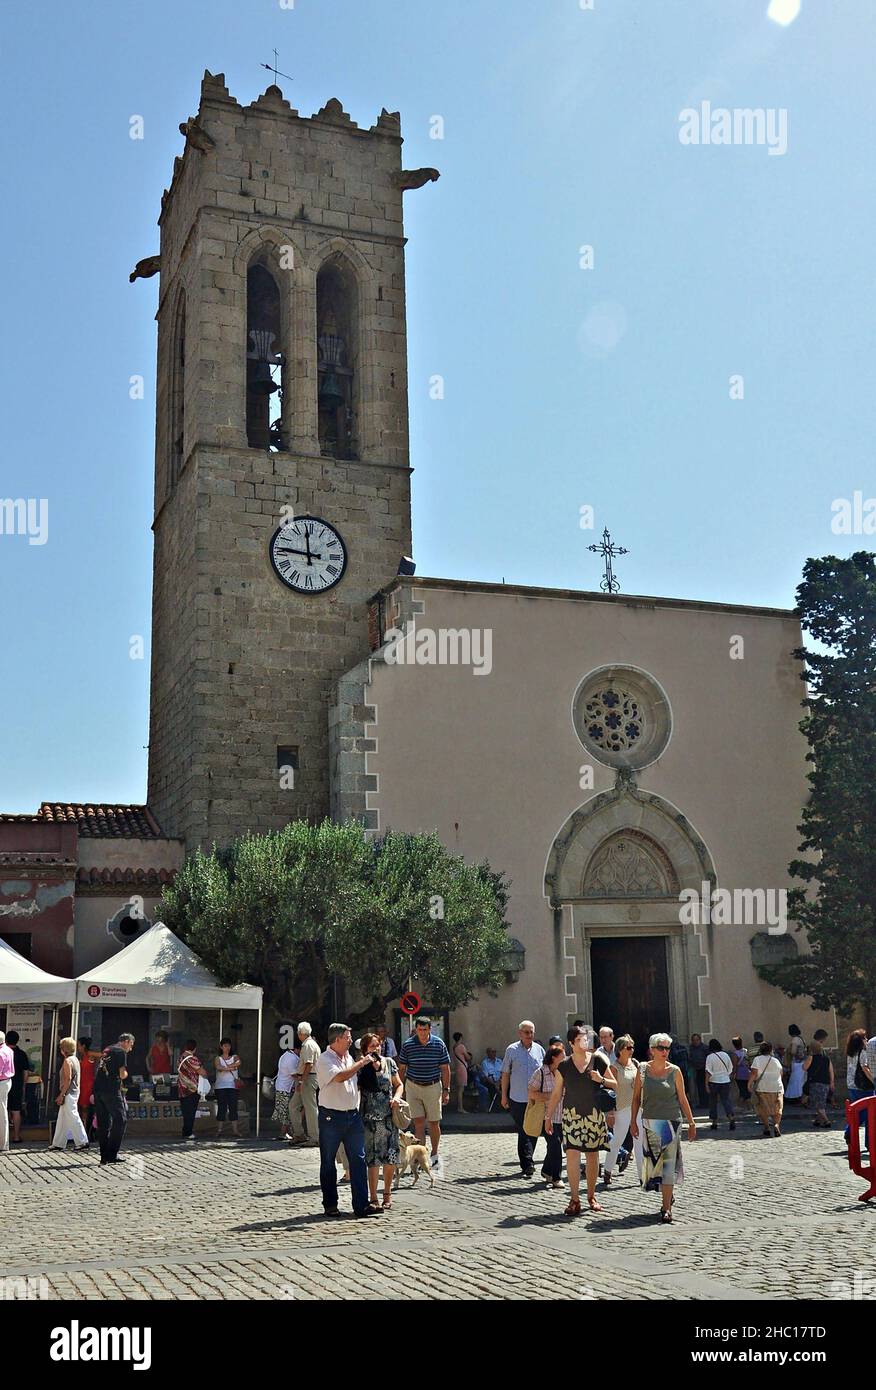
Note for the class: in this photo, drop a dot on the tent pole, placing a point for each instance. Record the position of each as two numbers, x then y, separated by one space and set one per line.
74 1026
221 1018
47 1079
258 1090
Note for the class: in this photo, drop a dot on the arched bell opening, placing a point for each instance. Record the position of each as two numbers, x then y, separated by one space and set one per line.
337 342
265 360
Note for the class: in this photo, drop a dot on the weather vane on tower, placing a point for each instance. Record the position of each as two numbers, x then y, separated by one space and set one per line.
608 550
272 67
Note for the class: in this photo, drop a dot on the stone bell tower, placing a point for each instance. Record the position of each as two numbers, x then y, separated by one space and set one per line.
282 481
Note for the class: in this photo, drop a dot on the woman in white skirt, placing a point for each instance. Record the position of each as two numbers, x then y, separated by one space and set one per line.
794 1057
69 1122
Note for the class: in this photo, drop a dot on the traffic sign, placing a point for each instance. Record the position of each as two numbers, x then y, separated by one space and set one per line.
410 1003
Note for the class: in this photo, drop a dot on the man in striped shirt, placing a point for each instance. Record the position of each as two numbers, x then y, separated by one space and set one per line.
424 1067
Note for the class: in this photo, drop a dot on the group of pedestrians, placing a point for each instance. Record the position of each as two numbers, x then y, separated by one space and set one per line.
593 1099
366 1104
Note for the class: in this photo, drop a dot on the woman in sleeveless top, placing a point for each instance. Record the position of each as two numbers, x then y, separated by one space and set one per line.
69 1122
658 1091
461 1059
584 1128
819 1074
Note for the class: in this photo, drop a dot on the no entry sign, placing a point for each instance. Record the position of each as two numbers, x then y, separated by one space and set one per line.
410 1003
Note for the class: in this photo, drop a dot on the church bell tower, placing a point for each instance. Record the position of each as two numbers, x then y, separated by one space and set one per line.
282 480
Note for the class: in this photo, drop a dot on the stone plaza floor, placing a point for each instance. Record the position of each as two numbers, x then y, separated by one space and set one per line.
755 1219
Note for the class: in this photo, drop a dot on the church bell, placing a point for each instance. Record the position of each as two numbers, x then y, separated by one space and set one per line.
262 383
330 394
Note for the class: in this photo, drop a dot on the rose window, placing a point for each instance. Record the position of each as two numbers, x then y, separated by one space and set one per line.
613 718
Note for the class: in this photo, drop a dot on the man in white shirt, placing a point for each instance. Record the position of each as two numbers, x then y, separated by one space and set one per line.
340 1122
719 1073
606 1045
303 1108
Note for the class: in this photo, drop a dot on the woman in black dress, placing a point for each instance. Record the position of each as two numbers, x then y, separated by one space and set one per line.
584 1124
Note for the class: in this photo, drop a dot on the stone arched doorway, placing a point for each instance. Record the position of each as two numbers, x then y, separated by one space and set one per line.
613 877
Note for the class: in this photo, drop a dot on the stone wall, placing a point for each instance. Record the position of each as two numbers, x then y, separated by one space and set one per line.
241 665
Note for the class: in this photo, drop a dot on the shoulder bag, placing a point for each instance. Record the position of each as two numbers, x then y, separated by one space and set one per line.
533 1119
606 1099
401 1113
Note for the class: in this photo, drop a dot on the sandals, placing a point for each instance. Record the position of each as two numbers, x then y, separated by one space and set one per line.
666 1218
387 1201
594 1205
573 1209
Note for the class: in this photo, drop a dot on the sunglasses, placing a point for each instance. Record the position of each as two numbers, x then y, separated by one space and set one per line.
661 1047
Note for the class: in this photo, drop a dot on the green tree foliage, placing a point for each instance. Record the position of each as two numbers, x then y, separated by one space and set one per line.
837 905
288 909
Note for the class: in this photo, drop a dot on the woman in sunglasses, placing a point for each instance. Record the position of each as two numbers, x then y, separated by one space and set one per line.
658 1091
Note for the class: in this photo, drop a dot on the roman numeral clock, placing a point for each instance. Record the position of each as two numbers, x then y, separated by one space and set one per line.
308 555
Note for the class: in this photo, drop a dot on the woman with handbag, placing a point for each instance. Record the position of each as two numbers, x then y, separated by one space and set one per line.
796 1076
188 1075
659 1092
859 1074
227 1085
380 1090
578 1083
768 1089
542 1086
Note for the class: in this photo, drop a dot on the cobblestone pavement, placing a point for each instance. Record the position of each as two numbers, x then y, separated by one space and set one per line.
227 1219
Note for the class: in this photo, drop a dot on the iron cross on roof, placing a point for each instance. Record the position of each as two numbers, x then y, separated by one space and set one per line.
272 67
608 550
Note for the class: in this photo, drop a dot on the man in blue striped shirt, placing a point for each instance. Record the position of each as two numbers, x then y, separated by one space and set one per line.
424 1067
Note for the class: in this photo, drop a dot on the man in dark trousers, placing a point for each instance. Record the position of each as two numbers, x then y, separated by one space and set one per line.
111 1108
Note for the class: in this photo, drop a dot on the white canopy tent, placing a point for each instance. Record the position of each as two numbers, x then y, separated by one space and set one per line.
160 971
22 982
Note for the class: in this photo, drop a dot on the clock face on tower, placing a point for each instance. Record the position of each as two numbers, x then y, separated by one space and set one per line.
308 554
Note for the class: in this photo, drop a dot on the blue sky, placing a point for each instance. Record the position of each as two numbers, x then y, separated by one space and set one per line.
564 387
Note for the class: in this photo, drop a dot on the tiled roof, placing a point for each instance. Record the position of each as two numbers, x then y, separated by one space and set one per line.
124 878
97 819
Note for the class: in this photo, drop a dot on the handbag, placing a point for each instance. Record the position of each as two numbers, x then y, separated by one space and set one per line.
205 1086
269 1086
606 1100
534 1115
401 1115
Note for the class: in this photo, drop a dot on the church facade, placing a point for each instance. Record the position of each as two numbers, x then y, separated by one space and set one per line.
625 760
633 764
